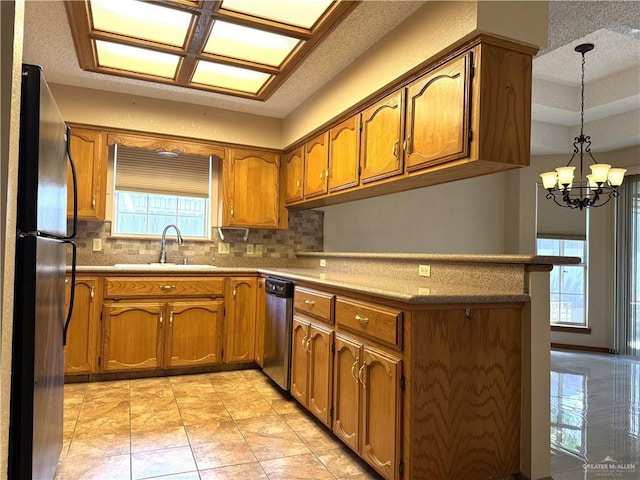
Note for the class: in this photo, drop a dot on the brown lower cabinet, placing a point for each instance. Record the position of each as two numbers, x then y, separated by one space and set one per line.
311 367
148 335
367 403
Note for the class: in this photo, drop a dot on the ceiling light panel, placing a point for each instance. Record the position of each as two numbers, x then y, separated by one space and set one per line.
232 78
141 20
135 59
245 43
300 14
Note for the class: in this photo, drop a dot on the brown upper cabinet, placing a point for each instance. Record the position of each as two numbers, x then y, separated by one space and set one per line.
89 153
293 176
250 189
382 126
344 154
316 163
437 115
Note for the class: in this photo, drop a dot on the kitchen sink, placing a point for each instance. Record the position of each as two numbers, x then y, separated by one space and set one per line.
164 266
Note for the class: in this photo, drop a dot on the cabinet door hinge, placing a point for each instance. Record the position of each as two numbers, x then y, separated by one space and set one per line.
222 353
470 134
472 69
100 316
333 350
401 469
99 360
331 413
359 170
402 382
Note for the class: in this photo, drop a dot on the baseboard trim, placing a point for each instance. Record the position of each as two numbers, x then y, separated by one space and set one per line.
582 348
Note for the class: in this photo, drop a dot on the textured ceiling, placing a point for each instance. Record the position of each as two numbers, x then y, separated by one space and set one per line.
612 68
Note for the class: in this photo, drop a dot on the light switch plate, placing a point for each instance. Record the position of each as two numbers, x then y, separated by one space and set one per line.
96 245
424 270
258 249
249 248
223 247
323 262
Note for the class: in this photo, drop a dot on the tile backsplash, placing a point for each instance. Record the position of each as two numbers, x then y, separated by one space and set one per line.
278 246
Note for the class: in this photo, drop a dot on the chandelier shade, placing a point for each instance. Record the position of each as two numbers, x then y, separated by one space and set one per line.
598 187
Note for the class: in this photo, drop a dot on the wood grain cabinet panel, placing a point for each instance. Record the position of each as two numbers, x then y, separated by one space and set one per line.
240 320
346 391
316 164
311 367
132 336
89 153
250 188
344 154
381 138
193 333
315 303
438 115
293 167
81 351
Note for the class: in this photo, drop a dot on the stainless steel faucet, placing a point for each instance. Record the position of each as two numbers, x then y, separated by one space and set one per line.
163 242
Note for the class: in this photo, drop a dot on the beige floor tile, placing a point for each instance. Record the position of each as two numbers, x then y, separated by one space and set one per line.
266 425
162 462
247 471
278 445
282 405
154 405
97 445
203 413
166 437
297 467
153 421
269 393
116 410
115 467
245 394
222 454
255 407
180 476
299 421
216 431
319 439
342 463
103 426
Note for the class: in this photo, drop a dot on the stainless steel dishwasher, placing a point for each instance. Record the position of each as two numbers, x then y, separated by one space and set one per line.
277 330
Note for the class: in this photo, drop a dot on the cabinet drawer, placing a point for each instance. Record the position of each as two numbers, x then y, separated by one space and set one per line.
163 286
314 303
381 323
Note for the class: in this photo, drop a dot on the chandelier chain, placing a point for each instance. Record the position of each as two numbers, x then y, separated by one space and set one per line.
582 99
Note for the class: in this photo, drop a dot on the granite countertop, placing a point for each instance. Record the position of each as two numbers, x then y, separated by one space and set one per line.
412 292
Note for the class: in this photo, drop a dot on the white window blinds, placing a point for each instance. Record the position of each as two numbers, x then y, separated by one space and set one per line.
142 170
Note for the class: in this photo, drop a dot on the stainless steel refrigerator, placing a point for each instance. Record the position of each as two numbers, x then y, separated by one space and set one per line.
40 318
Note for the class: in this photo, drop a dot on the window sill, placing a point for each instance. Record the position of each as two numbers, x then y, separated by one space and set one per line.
571 329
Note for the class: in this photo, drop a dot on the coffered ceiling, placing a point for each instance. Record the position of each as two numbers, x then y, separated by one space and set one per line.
612 92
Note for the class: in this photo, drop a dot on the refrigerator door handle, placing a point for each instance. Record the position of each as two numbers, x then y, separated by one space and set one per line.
75 185
73 291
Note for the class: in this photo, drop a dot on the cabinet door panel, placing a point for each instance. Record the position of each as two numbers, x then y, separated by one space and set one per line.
438 111
381 149
132 336
344 151
299 360
346 391
293 174
250 188
316 160
89 153
193 334
82 336
320 373
381 409
240 320
260 316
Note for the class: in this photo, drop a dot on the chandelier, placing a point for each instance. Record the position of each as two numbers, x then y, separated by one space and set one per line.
600 185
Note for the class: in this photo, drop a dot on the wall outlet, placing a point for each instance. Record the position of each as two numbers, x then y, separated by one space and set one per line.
223 247
424 270
249 248
323 262
258 249
96 245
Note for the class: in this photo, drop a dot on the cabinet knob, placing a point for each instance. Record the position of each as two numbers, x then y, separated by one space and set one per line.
298 183
394 151
309 302
171 319
364 320
322 175
361 373
231 211
161 318
93 202
235 290
406 145
167 288
92 292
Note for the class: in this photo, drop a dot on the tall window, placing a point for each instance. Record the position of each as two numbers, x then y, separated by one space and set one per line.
153 191
568 283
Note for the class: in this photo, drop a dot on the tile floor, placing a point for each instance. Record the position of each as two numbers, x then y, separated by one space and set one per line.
595 417
215 426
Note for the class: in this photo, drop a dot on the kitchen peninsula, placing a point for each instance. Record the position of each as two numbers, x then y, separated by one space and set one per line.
425 377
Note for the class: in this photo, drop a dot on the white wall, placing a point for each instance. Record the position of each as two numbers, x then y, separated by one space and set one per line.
461 217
